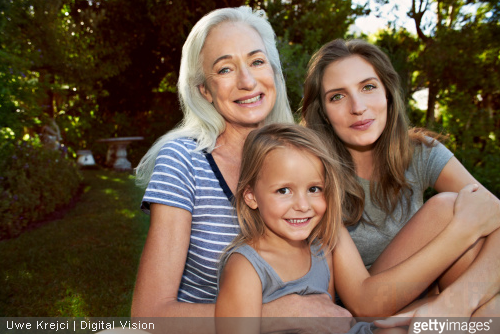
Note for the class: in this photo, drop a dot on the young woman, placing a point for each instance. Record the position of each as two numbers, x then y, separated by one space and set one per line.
352 97
292 241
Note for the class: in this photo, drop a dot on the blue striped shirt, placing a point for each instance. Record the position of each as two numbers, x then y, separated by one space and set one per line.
191 180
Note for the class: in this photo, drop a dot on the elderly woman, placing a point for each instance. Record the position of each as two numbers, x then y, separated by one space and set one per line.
230 83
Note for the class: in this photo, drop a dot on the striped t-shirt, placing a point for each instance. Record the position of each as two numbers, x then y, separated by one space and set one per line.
192 181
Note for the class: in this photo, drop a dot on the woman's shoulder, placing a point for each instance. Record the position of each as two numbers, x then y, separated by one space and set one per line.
181 153
420 137
183 146
429 158
189 144
429 145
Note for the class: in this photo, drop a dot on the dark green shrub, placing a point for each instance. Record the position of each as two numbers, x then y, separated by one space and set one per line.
33 183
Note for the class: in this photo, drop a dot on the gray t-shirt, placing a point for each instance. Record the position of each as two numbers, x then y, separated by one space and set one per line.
273 287
427 164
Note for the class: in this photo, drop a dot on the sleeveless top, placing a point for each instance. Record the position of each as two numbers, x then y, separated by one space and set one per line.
315 281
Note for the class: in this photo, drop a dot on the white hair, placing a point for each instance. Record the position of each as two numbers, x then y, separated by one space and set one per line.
201 120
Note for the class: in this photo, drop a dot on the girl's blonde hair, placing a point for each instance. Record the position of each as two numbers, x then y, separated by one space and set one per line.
393 151
258 145
201 120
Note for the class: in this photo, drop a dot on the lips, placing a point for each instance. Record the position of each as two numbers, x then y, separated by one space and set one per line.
362 125
249 100
299 222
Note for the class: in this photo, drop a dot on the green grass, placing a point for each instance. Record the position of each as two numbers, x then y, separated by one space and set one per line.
82 265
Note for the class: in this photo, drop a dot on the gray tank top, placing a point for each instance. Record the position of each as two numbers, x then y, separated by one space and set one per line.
315 281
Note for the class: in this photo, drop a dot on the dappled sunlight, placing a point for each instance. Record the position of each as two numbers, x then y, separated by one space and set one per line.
71 305
26 274
20 274
114 178
127 213
112 192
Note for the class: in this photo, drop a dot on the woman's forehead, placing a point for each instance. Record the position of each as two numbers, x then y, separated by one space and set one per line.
230 38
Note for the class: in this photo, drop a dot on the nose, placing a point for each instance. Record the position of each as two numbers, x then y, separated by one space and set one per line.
358 106
302 203
246 79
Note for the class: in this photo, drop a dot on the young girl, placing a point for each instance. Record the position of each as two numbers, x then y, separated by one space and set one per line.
292 238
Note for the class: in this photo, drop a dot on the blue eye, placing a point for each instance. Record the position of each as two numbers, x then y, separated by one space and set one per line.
283 191
258 62
223 71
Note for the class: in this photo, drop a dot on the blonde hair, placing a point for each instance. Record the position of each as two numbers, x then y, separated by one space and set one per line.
258 145
201 120
393 150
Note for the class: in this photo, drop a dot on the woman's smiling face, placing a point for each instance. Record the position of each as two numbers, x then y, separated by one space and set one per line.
355 102
239 77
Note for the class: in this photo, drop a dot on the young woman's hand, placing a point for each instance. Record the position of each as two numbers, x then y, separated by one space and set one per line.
477 210
430 314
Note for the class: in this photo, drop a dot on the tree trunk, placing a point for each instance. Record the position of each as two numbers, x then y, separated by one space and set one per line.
431 104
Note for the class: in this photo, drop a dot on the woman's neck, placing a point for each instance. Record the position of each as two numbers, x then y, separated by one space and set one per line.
231 141
228 154
363 162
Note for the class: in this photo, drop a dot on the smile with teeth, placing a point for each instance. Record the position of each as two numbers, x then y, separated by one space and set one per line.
252 100
297 221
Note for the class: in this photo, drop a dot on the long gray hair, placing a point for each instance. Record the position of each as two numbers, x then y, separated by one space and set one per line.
201 120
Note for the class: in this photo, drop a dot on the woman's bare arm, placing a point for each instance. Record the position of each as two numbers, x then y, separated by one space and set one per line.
161 267
356 287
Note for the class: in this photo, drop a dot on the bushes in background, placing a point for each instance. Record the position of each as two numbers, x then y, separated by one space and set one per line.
34 182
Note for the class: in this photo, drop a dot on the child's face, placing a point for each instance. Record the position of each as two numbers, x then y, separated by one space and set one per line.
289 193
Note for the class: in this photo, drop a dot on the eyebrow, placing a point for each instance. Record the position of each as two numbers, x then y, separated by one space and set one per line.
251 53
361 82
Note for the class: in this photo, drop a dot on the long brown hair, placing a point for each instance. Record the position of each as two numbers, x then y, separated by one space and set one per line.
393 150
258 145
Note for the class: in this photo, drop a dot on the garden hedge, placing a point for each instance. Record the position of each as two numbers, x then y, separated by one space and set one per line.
34 182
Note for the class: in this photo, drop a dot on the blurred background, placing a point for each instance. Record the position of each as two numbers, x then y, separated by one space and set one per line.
76 71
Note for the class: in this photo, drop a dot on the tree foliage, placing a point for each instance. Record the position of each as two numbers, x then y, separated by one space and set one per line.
108 68
459 64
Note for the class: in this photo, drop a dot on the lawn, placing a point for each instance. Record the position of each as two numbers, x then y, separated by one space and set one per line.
83 264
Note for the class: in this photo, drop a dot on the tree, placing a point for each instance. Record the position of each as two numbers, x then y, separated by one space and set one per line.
402 48
459 63
98 69
450 35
